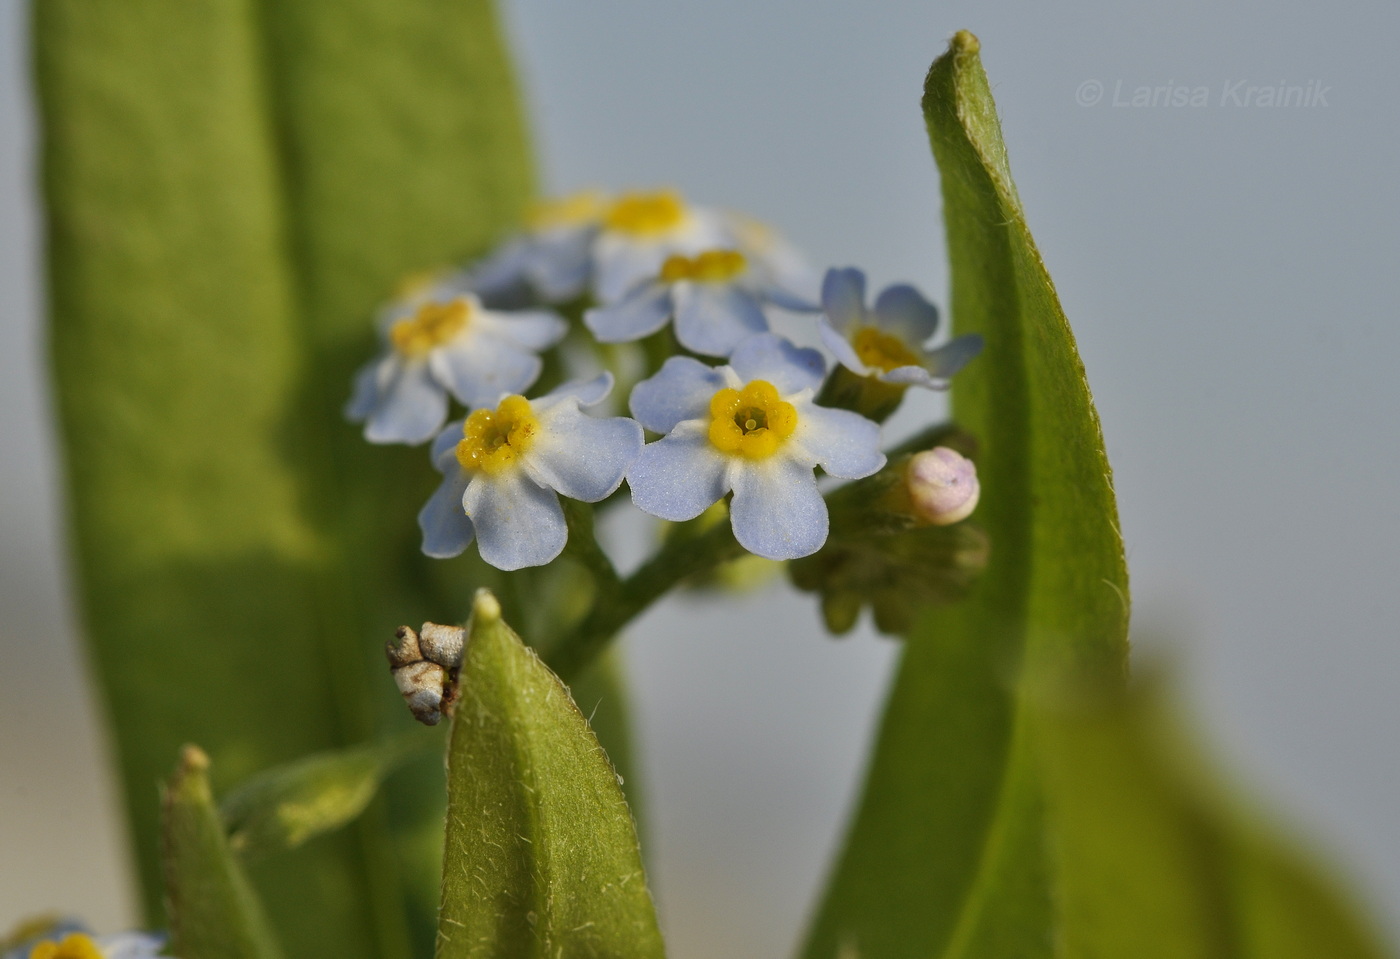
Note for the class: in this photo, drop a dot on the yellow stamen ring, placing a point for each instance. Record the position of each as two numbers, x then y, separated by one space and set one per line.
646 214
712 266
881 351
433 325
576 209
753 422
75 945
493 440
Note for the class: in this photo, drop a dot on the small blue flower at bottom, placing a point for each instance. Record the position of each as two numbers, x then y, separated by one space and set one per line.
750 427
503 469
71 940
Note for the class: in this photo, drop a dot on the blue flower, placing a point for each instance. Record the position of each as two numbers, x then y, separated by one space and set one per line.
640 230
503 467
750 427
67 939
888 342
552 258
716 297
444 343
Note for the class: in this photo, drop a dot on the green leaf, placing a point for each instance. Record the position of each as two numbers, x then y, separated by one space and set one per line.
283 807
541 856
946 841
231 186
214 913
1154 860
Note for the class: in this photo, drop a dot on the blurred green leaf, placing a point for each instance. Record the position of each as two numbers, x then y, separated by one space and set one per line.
283 807
946 840
231 186
214 913
1154 860
541 855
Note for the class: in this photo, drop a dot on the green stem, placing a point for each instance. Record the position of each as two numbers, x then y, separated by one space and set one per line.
617 606
583 546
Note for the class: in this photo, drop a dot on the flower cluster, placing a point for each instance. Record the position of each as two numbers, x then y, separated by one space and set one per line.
65 939
738 410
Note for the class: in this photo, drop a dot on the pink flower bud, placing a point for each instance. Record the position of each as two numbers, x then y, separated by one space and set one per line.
942 486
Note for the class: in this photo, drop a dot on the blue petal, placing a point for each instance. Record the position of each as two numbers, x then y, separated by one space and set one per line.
837 343
581 456
902 310
479 369
952 356
411 405
587 392
681 390
560 263
517 522
845 444
640 313
365 395
777 510
446 529
770 357
619 264
680 476
448 439
503 270
531 329
843 298
714 318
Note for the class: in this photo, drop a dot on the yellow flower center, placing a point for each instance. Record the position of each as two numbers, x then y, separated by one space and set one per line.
433 325
882 351
75 945
646 214
492 440
575 209
752 422
712 266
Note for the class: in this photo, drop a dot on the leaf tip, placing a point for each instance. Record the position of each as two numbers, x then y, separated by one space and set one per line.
193 761
964 43
486 608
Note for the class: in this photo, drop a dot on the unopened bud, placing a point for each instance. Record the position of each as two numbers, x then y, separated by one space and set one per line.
942 486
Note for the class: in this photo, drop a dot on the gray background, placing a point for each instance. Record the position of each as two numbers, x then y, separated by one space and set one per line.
1230 273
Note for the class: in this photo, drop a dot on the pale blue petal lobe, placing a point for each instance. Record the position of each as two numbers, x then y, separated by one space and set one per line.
587 392
843 298
561 264
903 311
619 263
365 395
770 357
411 407
479 369
777 510
681 390
448 439
714 318
446 529
679 476
952 356
838 344
581 456
517 523
531 329
843 443
640 313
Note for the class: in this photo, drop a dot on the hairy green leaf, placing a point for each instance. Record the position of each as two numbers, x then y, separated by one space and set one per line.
214 913
950 808
231 186
541 856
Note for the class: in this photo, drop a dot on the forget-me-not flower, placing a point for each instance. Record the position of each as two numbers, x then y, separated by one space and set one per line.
503 469
716 298
552 258
750 427
888 342
67 940
442 345
640 230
